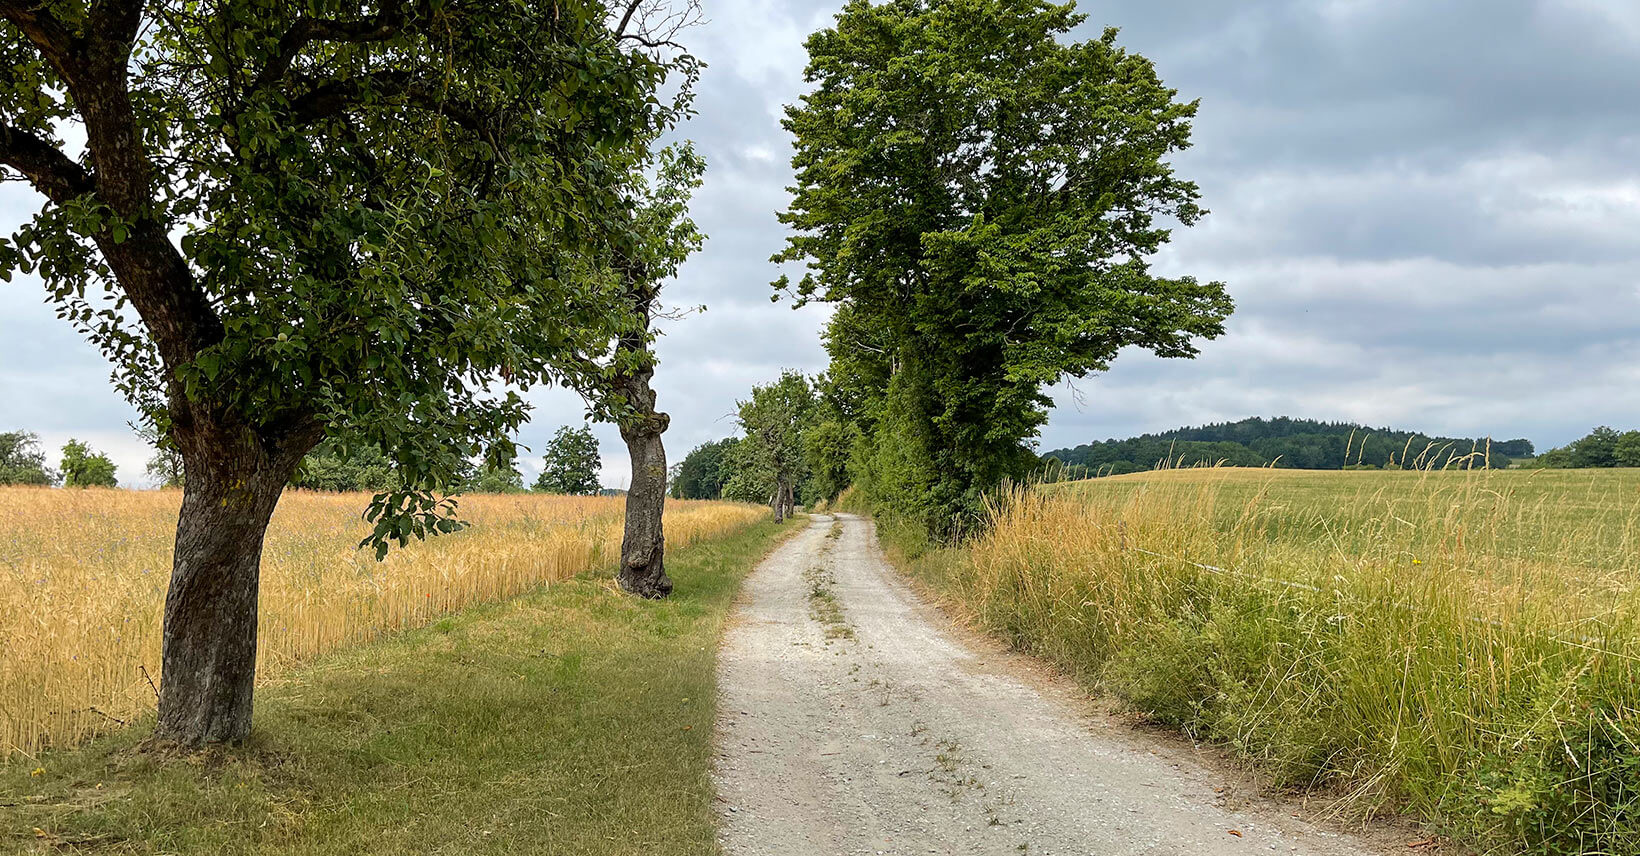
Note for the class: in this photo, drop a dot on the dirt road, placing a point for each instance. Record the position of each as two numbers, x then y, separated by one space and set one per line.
854 722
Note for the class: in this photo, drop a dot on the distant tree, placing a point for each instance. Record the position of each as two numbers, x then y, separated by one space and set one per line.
978 193
1602 447
85 467
571 463
703 471
746 476
1626 450
771 454
495 478
22 461
1553 459
348 219
1597 449
165 467
337 466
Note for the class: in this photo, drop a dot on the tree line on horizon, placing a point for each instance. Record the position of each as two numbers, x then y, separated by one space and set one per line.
1602 447
793 451
1282 442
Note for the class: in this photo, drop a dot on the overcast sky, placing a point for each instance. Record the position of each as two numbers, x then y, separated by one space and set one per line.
1428 214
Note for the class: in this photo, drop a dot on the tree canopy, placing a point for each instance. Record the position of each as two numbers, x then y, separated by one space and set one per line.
84 466
571 463
979 196
22 461
373 233
703 471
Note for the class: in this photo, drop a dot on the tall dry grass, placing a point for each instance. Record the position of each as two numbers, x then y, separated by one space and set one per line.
83 576
1461 644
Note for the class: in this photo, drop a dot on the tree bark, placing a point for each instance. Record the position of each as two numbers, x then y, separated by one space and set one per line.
643 546
233 480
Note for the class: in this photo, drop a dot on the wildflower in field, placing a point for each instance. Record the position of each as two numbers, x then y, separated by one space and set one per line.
1417 561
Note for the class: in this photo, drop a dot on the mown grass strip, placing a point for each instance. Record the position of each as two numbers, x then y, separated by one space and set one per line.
571 720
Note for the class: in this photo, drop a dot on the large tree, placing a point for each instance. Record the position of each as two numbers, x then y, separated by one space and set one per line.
662 238
290 221
979 195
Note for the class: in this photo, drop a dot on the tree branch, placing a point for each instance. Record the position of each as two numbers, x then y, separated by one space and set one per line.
48 33
118 19
650 43
631 9
337 97
53 173
384 25
657 27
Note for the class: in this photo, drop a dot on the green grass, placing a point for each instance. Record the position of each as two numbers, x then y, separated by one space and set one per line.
823 605
1464 647
573 720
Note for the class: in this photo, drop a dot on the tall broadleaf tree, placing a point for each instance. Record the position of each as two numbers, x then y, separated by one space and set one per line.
619 385
771 455
979 194
344 218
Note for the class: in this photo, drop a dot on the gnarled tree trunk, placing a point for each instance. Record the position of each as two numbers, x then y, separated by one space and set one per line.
643 546
208 667
782 501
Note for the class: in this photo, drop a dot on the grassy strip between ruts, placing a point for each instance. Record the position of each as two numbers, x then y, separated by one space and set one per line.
571 720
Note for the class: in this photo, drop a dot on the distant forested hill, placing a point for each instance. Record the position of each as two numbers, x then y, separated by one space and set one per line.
1286 442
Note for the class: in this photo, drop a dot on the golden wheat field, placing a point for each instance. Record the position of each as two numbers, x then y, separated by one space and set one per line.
83 576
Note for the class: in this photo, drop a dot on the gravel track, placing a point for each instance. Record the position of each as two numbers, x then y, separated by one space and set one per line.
854 721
